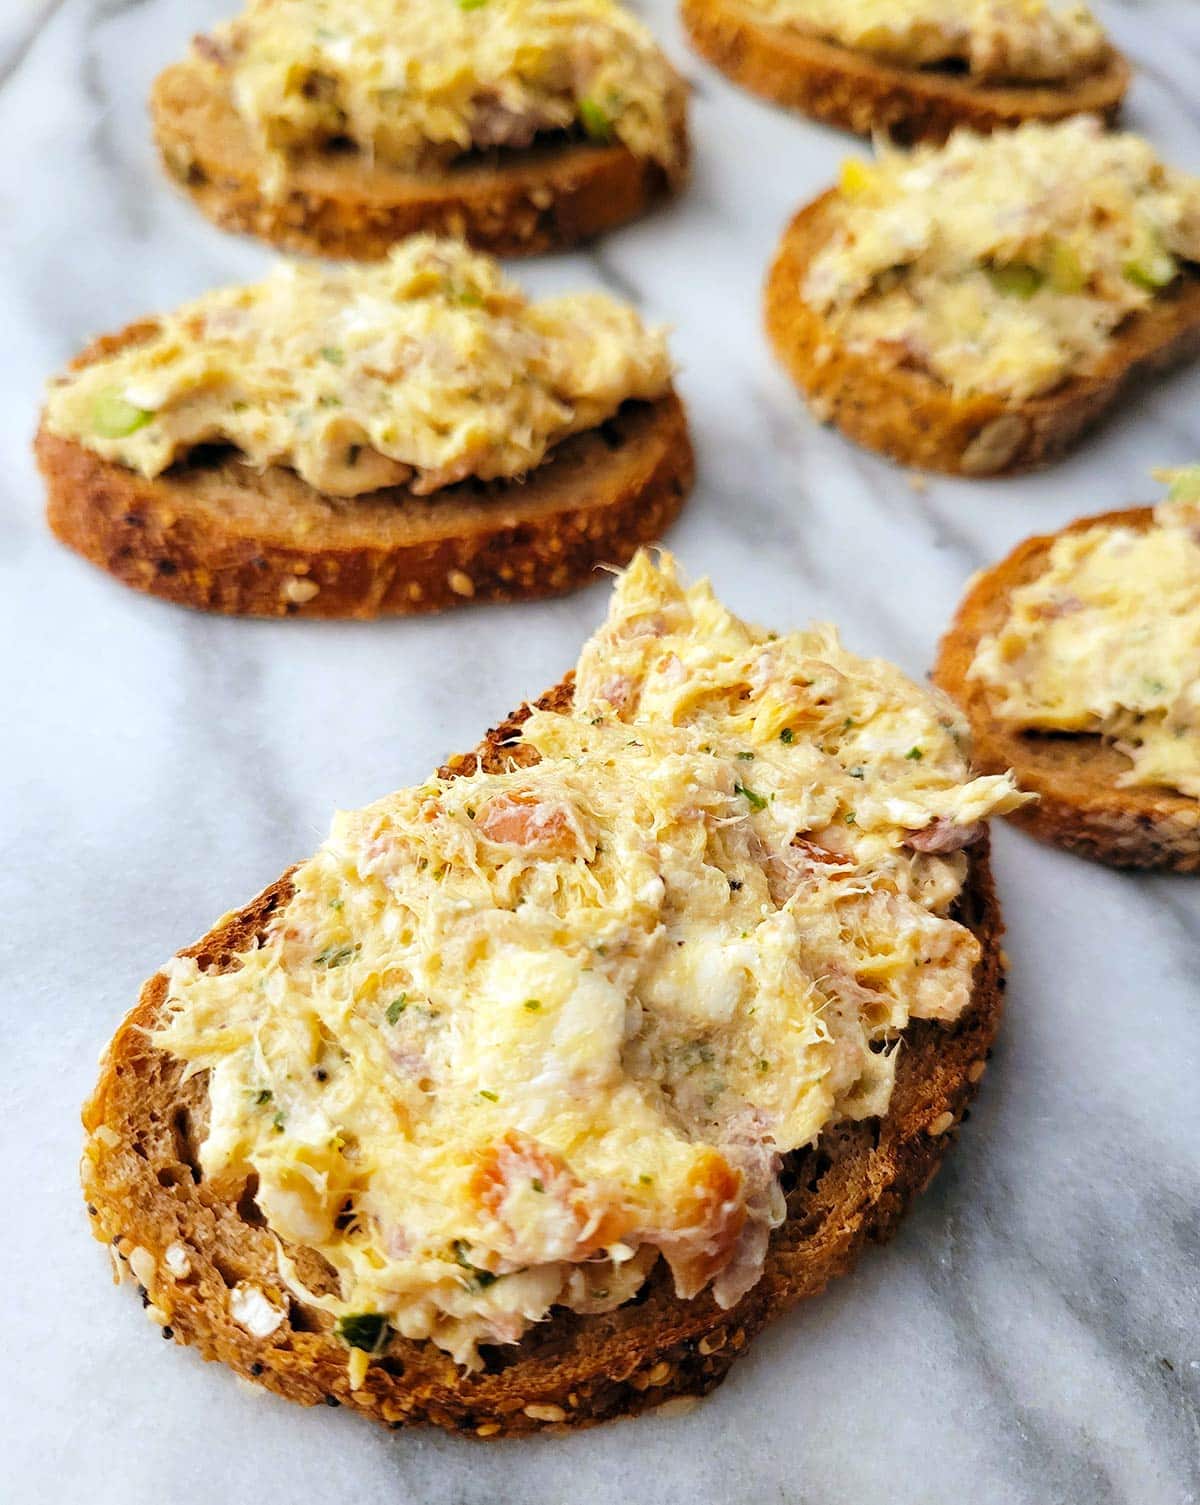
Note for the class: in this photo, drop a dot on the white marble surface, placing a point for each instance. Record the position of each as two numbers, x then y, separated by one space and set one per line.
1032 1336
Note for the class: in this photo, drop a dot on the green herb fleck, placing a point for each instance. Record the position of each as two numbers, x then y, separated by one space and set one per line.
335 956
333 354
787 735
645 1180
850 818
914 755
595 119
471 4
537 1184
1016 279
480 1279
755 801
114 418
336 903
396 1008
492 1097
533 1005
263 1097
1151 272
763 1064
278 1122
746 757
363 1330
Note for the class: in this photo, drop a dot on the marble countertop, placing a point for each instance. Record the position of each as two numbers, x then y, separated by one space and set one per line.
1032 1335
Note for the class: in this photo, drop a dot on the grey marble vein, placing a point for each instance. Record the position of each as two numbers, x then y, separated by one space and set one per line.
1032 1337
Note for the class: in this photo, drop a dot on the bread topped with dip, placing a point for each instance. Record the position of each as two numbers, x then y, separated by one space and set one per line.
1077 662
522 125
390 438
915 69
546 1082
976 307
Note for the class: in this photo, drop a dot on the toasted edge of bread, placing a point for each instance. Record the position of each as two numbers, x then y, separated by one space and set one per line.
860 93
1080 805
145 1193
217 535
340 204
916 419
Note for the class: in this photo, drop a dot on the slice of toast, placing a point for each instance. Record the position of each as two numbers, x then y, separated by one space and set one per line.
146 1196
853 90
341 204
917 420
215 534
1081 807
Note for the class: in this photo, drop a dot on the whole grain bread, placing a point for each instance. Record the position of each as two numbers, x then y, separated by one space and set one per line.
339 203
146 1195
1080 805
213 533
860 93
917 420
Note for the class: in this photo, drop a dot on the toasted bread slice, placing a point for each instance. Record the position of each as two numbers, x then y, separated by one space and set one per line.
146 1195
213 533
340 204
1080 805
857 92
916 419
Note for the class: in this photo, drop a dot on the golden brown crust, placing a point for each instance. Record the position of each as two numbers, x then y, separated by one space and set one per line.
915 419
338 204
145 1192
860 93
219 536
1080 806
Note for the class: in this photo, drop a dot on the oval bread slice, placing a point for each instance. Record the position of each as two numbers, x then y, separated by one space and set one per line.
916 419
1081 806
850 89
339 204
191 1244
215 534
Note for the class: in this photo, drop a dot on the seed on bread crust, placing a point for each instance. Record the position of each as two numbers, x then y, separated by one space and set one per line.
143 1178
220 537
914 418
863 94
1080 805
513 203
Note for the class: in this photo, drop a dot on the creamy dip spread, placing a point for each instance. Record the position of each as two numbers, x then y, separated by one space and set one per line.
1005 263
418 83
1007 41
422 370
519 1035
1106 641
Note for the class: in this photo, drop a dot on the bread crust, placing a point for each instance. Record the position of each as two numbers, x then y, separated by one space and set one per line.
859 93
144 1192
1080 806
914 418
222 537
338 204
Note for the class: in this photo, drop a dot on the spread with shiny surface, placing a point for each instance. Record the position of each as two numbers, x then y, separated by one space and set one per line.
421 371
1106 641
1003 264
518 1035
419 83
1022 41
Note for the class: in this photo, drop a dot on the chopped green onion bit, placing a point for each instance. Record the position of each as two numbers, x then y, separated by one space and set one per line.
595 119
114 418
363 1330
